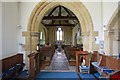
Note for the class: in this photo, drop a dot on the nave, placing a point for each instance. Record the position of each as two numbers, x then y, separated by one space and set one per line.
31 31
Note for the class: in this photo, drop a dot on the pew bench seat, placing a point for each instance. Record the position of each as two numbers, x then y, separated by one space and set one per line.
104 72
12 67
24 75
12 72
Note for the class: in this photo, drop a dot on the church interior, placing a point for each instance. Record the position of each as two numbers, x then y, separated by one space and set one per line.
56 39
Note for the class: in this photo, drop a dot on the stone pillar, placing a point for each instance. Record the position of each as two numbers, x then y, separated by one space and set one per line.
106 45
109 38
95 47
89 41
116 43
85 40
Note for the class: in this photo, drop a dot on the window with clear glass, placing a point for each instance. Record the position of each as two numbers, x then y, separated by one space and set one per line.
59 34
41 35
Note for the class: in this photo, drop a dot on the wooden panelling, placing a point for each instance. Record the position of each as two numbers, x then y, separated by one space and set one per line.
102 60
70 52
108 61
79 54
94 56
112 63
11 61
47 51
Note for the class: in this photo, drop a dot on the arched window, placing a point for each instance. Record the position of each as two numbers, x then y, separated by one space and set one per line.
59 34
41 35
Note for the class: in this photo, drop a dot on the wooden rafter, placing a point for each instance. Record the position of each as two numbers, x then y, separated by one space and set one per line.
52 11
59 14
69 25
69 14
60 18
67 11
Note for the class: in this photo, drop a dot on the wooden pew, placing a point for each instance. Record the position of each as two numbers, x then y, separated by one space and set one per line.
47 51
112 63
11 61
34 64
109 62
11 66
70 52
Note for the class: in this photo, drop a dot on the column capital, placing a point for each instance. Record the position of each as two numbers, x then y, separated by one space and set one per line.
95 33
28 33
109 30
85 33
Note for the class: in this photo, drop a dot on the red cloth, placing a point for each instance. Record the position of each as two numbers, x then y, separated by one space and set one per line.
115 76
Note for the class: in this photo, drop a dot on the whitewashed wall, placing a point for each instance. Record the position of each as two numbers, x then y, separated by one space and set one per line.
101 14
108 10
25 9
0 30
9 29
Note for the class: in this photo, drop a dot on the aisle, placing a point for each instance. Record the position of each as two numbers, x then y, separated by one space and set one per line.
59 61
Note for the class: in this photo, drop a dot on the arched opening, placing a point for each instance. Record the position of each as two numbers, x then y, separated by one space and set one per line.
77 8
112 34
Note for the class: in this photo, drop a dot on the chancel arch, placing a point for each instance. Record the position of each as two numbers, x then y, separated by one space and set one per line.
77 8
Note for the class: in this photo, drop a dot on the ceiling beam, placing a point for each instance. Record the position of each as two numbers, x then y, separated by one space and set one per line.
67 11
52 11
69 25
69 14
59 14
60 18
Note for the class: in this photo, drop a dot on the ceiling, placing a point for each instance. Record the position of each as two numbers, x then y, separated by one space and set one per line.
60 16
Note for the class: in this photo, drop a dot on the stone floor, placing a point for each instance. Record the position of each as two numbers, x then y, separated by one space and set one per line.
59 61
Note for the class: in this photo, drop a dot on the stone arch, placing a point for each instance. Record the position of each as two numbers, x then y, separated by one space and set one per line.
77 8
112 34
113 20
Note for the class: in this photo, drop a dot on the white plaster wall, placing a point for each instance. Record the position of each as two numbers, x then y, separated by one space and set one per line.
108 10
0 30
25 9
101 13
94 8
0 36
9 29
95 11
